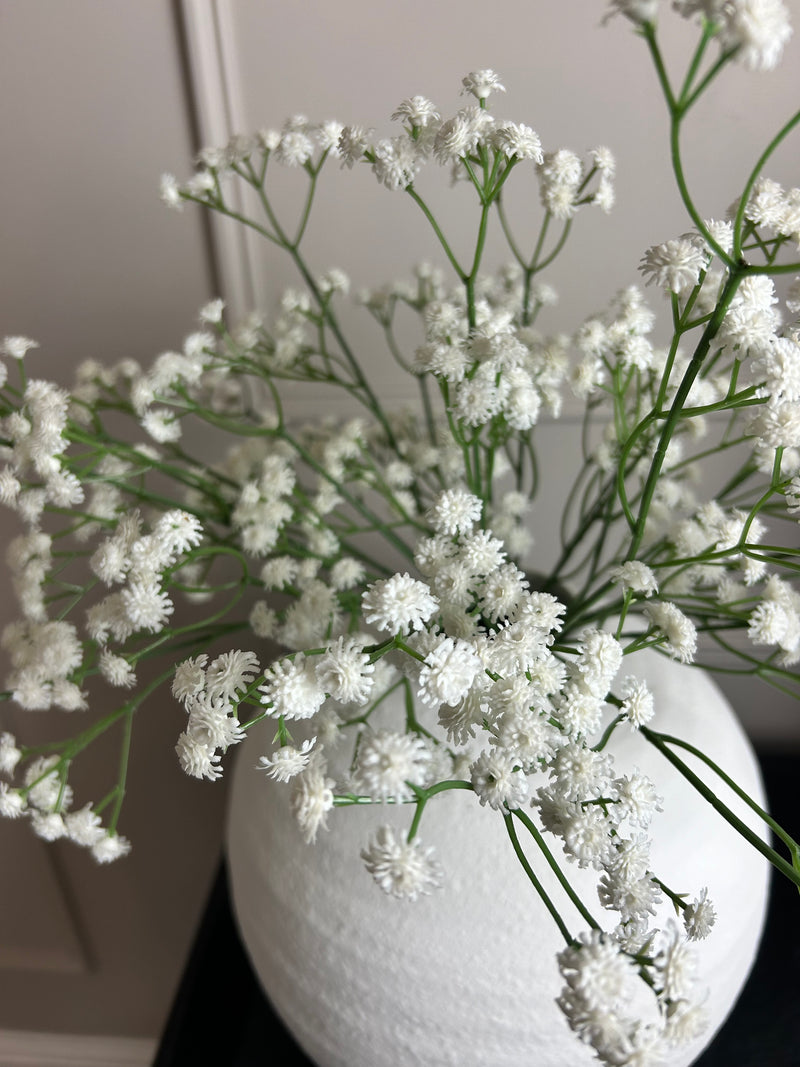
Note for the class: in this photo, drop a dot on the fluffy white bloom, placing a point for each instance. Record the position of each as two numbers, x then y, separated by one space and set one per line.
398 604
637 702
448 673
388 761
497 780
171 192
84 826
699 917
16 347
345 672
231 673
9 753
482 83
403 869
637 11
12 803
417 111
455 512
678 629
190 679
312 796
288 761
147 606
116 670
636 577
674 265
110 847
759 29
516 139
161 424
196 758
291 688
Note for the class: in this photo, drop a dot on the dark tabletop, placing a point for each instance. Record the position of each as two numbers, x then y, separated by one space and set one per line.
220 1016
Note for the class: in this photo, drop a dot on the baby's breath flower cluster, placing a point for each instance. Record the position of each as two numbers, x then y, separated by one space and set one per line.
398 629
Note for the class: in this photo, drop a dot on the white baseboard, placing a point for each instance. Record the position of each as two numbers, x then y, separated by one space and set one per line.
21 1048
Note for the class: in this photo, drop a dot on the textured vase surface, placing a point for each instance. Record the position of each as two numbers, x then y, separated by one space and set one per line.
467 977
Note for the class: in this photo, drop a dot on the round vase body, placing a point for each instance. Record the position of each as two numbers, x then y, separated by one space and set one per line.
467 977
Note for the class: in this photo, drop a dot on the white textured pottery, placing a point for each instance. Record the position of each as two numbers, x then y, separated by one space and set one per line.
467 977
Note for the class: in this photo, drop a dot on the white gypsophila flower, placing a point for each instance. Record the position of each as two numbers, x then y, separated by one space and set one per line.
676 964
579 773
190 678
599 660
448 673
84 826
178 531
9 486
161 424
211 721
503 591
288 761
211 312
637 702
560 175
196 758
312 796
396 162
587 838
263 620
171 191
278 572
779 366
678 629
498 781
482 83
12 802
699 917
345 671
758 29
291 689
529 737
48 825
346 573
596 969
636 799
675 265
514 139
388 761
417 111
638 11
636 577
16 347
461 721
398 604
455 511
116 670
402 869
10 755
231 673
146 606
352 143
111 846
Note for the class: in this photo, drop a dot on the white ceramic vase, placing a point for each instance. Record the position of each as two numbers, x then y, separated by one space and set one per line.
467 976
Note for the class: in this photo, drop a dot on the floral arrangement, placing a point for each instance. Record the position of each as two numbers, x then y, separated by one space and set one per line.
382 552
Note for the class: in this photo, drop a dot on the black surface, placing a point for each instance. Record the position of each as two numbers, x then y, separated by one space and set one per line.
221 1017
